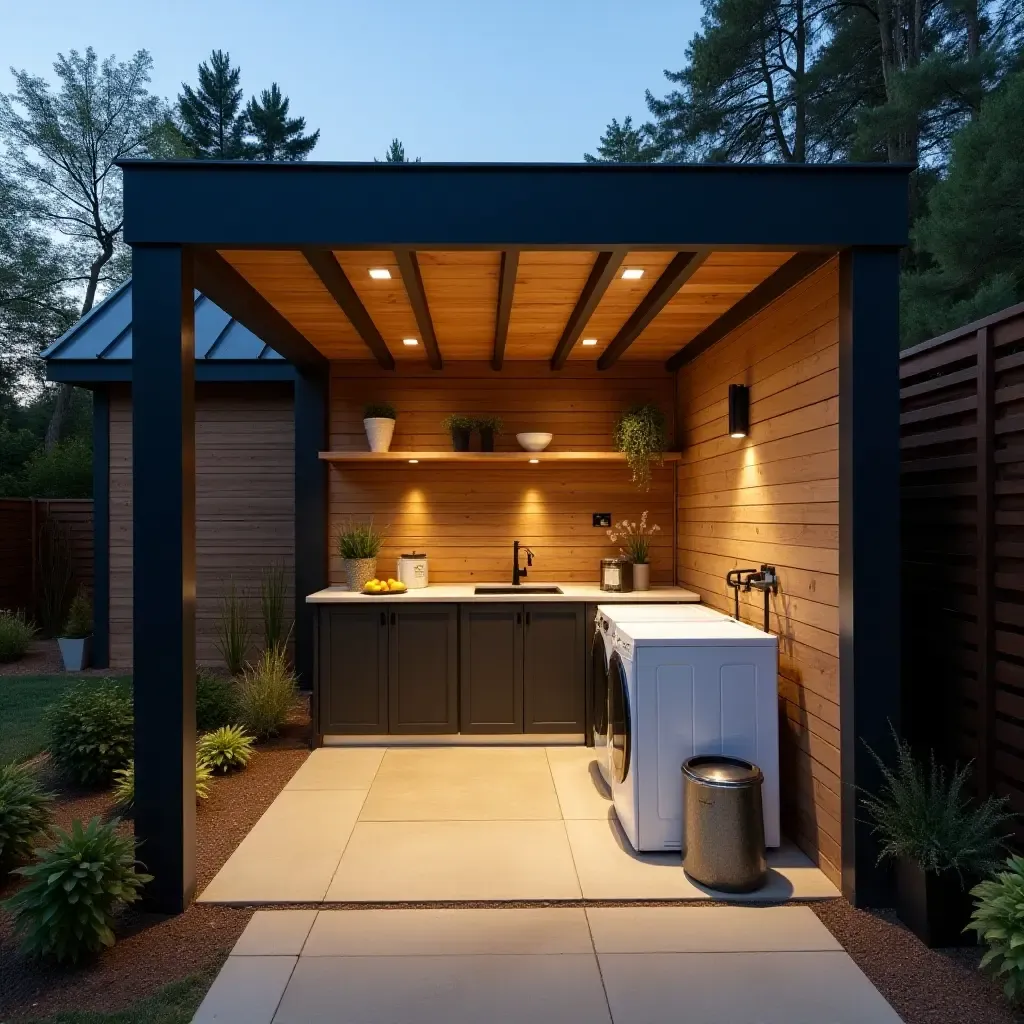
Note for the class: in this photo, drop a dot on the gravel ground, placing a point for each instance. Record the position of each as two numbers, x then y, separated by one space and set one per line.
43 659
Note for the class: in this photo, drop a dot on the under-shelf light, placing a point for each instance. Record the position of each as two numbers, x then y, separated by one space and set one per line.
412 462
535 460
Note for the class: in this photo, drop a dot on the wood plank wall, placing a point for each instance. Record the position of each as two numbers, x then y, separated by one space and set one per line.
774 498
466 517
245 481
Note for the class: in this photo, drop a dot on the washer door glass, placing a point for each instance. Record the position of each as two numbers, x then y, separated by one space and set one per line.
599 690
621 726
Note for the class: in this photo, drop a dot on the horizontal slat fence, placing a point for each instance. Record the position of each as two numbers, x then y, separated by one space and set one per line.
962 440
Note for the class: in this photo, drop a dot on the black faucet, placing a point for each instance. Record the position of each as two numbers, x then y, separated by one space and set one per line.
517 573
766 580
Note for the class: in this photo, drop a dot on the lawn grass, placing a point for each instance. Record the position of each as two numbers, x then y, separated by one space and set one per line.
23 699
173 1004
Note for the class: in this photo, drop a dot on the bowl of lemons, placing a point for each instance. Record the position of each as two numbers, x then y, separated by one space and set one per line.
388 586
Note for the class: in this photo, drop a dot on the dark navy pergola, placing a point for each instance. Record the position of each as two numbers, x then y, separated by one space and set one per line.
177 214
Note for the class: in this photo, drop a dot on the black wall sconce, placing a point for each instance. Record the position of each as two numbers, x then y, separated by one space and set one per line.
739 410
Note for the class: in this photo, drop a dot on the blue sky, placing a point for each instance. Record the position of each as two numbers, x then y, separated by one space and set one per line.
454 79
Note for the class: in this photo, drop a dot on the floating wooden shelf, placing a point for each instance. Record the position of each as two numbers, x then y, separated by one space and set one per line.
478 457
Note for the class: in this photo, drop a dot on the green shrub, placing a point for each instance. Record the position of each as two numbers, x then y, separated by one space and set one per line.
66 909
124 781
998 919
91 731
234 635
360 540
928 818
266 694
226 748
79 622
379 410
272 591
216 700
65 471
16 635
24 814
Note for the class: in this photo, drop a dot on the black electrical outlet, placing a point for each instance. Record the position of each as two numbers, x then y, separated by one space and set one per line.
602 519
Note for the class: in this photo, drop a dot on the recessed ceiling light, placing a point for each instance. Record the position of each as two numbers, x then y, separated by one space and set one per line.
589 342
632 273
380 273
535 460
412 462
410 341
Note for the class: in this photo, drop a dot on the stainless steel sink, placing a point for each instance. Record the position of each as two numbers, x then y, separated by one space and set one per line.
521 589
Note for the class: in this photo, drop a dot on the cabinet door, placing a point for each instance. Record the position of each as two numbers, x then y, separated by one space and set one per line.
554 668
353 670
423 676
491 668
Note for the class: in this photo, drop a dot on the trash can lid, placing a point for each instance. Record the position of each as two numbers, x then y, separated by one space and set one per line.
718 770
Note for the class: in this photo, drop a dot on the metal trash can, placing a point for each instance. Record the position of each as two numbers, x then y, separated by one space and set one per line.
723 823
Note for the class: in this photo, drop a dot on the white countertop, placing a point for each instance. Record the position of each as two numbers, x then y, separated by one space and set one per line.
463 592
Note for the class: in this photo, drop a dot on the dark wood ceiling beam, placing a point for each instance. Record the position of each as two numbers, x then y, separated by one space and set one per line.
413 279
794 270
673 277
221 283
332 277
506 288
601 275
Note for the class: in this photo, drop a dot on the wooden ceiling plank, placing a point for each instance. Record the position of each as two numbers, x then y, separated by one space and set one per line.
674 276
506 289
601 275
413 280
333 278
794 270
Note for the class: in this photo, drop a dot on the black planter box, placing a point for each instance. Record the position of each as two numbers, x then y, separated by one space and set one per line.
935 907
460 439
486 439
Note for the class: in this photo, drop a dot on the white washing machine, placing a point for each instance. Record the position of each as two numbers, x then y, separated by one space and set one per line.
678 689
608 615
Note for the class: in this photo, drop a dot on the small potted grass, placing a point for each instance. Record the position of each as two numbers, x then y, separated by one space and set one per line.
460 428
379 423
359 545
75 641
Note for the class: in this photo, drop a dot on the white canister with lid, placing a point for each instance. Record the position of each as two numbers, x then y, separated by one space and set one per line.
412 570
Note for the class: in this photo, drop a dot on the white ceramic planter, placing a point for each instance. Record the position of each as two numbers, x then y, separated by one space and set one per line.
379 430
75 652
641 576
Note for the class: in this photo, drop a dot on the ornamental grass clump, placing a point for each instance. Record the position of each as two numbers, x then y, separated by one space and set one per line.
226 748
276 627
641 434
91 731
66 910
233 633
360 540
266 694
998 919
124 782
16 635
24 814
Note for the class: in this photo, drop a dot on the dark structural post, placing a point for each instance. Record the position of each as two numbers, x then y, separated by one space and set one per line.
869 547
164 577
101 527
311 396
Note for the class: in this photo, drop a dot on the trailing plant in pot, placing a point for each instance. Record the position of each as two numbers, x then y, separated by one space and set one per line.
490 428
460 428
76 638
359 545
941 841
640 434
635 539
379 423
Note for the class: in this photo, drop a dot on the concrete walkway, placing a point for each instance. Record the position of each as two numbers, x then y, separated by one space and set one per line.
599 965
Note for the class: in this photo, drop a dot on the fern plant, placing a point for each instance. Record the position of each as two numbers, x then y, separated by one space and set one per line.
24 814
124 782
927 816
226 748
998 919
234 635
66 909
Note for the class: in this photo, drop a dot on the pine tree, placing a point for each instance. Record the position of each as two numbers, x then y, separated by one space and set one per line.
624 144
212 122
396 154
275 135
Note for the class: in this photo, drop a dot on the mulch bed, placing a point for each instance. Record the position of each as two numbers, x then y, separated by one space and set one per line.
43 659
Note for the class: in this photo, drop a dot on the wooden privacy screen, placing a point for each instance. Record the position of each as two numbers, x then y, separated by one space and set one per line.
245 500
465 517
962 417
773 497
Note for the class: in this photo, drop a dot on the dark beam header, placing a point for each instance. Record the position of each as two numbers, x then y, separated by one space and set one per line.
413 280
601 275
506 288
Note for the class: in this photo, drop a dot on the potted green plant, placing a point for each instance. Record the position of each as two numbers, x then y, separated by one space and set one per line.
635 539
640 434
379 423
460 428
75 640
941 841
359 545
489 427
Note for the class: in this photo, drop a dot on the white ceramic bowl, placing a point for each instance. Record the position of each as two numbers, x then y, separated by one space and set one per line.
534 442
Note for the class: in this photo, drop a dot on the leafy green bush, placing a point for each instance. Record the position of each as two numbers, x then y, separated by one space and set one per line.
16 635
24 814
360 540
124 781
234 635
928 818
66 909
641 434
91 731
216 700
65 471
266 694
998 919
226 748
79 623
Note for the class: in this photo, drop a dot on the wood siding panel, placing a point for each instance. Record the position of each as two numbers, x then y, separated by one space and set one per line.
466 516
773 498
245 504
